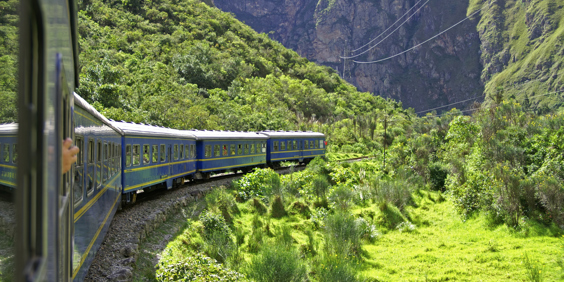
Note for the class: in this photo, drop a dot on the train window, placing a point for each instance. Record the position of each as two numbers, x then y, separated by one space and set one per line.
306 144
207 151
216 151
295 144
1 153
175 152
181 151
15 153
90 151
136 153
225 153
321 144
146 154
264 147
275 145
316 145
6 153
252 148
106 152
127 155
282 145
311 146
232 149
163 153
99 152
192 151
239 149
246 149
80 146
155 158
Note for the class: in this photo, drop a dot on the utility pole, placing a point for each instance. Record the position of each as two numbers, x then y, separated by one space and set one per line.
385 138
344 60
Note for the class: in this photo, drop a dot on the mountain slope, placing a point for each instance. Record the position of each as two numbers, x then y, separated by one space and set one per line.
511 47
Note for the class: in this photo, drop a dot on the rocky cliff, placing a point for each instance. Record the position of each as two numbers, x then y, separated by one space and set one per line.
445 70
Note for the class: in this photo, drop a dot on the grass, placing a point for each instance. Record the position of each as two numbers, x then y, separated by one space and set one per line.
6 257
440 247
449 249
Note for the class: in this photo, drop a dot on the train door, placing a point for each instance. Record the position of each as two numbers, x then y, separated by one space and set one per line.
169 161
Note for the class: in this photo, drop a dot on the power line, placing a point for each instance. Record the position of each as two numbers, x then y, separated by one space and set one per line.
354 56
391 57
448 105
388 27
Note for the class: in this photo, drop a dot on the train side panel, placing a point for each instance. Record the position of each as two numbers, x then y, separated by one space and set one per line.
232 154
97 186
8 156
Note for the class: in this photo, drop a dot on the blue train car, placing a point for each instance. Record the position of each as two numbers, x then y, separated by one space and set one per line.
8 155
155 157
97 183
219 151
293 146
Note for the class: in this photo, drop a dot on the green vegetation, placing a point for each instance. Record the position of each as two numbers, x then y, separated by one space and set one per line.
187 65
9 21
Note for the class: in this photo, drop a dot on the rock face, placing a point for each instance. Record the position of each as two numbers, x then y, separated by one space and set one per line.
445 70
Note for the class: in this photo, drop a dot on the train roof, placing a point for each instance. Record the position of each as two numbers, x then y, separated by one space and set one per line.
139 129
8 128
79 101
292 134
223 135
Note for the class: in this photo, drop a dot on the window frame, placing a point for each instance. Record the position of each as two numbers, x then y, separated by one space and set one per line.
128 161
138 154
207 151
282 145
146 150
275 146
162 153
216 150
232 149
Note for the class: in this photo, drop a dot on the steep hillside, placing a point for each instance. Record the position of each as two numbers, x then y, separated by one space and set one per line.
443 71
187 65
512 47
522 51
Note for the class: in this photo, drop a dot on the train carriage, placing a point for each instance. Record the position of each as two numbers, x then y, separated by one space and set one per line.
8 155
293 146
220 151
97 182
155 157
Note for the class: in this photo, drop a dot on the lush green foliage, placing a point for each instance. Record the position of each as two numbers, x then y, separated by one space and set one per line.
259 183
9 21
194 268
187 65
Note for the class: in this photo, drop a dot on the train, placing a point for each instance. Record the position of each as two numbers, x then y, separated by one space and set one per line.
118 160
62 218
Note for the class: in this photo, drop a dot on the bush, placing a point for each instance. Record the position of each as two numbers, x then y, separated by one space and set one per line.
219 246
395 192
259 183
437 176
335 268
367 231
259 206
342 197
194 268
277 263
342 235
214 223
277 208
220 198
320 186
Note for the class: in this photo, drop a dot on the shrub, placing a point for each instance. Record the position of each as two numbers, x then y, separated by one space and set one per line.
389 217
342 235
277 263
437 176
194 268
551 195
259 183
320 186
342 197
277 208
335 268
318 216
299 207
259 206
213 222
219 245
220 198
395 192
406 226
367 231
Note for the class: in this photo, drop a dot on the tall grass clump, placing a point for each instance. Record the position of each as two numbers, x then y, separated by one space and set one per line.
222 201
342 197
342 235
335 268
277 263
218 243
534 271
